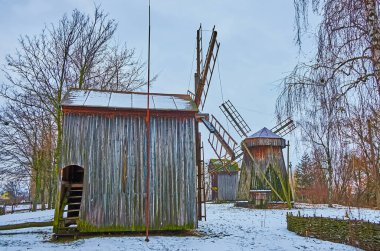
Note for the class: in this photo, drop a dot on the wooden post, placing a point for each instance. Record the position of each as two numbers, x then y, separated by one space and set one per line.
198 58
290 178
198 153
199 171
148 144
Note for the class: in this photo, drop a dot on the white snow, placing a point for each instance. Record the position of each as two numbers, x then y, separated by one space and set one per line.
15 218
227 228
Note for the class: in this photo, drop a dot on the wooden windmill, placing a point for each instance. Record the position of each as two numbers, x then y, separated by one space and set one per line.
227 149
221 141
263 166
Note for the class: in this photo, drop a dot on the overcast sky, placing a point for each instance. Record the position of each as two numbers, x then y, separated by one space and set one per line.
257 46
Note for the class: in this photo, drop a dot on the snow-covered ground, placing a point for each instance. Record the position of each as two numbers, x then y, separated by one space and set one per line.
15 218
227 228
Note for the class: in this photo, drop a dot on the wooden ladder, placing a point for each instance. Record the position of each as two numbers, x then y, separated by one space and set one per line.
70 207
203 198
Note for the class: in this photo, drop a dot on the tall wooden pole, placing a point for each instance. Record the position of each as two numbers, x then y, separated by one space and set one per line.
198 134
290 180
198 72
148 143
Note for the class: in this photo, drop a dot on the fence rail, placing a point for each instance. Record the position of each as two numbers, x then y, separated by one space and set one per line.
19 207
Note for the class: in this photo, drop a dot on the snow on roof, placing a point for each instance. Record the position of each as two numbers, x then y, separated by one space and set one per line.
264 133
125 100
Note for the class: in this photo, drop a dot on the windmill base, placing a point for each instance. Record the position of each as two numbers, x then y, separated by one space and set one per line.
271 205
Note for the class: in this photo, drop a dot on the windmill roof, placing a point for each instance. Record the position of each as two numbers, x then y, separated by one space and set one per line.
127 100
264 133
217 166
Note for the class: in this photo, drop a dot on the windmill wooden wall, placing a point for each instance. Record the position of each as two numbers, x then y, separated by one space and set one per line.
266 150
109 143
224 181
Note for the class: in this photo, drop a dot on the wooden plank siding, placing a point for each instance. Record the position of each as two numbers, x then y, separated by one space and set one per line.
112 151
227 186
263 157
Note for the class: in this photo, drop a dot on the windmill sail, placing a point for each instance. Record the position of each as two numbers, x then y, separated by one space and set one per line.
235 118
284 127
224 146
204 75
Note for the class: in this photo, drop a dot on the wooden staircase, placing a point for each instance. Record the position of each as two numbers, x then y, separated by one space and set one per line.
70 207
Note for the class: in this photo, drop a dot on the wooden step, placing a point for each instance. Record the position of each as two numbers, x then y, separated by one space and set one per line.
76 185
73 203
75 197
70 218
71 210
69 228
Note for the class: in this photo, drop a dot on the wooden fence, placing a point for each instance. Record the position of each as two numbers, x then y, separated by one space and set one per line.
18 207
362 234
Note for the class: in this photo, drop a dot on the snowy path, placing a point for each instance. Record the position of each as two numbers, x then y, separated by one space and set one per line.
226 228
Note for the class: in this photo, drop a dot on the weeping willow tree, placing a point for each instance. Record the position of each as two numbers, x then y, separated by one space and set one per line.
322 93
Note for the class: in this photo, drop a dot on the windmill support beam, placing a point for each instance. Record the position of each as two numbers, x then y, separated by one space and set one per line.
202 116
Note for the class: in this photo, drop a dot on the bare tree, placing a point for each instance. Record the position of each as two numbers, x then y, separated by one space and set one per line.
27 137
346 67
76 52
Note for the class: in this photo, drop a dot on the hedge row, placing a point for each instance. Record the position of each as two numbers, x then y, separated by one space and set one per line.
365 235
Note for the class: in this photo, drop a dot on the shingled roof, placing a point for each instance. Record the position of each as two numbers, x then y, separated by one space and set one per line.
264 133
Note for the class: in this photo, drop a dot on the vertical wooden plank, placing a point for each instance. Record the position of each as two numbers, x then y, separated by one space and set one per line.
111 149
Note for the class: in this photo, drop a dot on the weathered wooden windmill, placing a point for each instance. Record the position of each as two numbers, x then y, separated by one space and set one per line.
263 171
258 171
263 174
225 147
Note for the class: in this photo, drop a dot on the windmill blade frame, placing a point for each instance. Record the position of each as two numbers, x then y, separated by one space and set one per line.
234 117
205 70
284 127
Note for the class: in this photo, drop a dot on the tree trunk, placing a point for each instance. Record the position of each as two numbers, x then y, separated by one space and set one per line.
43 182
37 188
57 162
374 35
374 165
330 181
